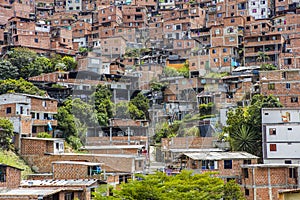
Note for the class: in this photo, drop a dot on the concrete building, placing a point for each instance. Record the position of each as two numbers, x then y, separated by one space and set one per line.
30 114
279 135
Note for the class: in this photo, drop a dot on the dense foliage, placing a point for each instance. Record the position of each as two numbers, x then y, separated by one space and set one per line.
244 124
6 134
74 117
19 86
184 186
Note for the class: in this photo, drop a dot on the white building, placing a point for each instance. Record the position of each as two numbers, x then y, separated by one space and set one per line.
280 135
258 9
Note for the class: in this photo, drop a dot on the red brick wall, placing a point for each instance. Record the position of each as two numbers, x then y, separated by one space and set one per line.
279 179
13 178
37 105
33 147
43 162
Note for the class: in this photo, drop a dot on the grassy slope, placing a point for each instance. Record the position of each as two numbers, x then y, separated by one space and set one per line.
10 158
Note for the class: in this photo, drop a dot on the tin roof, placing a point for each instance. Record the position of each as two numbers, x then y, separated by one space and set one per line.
58 183
219 155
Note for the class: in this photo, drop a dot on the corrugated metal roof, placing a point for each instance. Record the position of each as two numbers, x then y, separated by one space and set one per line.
53 183
28 191
219 155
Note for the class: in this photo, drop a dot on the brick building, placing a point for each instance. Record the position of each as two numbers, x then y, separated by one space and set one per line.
10 177
227 164
76 170
282 84
264 181
40 153
30 114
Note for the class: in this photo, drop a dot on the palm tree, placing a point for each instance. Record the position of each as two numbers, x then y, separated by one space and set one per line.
246 139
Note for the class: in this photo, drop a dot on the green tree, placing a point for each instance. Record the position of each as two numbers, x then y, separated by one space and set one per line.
7 70
6 134
103 104
138 107
185 70
184 186
69 62
170 72
21 57
74 117
19 86
232 191
122 110
244 124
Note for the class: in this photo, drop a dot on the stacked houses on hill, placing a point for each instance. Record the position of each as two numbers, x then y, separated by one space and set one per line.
131 45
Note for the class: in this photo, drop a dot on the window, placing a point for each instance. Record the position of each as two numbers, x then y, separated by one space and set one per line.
225 59
287 61
231 39
224 50
8 110
273 147
232 20
215 59
294 99
217 31
287 162
227 164
245 172
254 11
214 51
3 174
33 130
140 163
272 131
292 172
263 2
219 15
36 40
288 86
208 164
247 192
290 129
69 196
247 162
271 86
92 170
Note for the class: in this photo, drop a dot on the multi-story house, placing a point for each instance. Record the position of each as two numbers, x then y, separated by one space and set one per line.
29 114
279 135
259 9
166 4
283 84
134 16
73 5
264 181
227 164
29 34
44 9
81 30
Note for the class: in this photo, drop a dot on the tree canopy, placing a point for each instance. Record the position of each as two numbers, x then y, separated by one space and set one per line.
244 124
103 104
74 117
6 134
19 86
138 107
7 70
184 186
